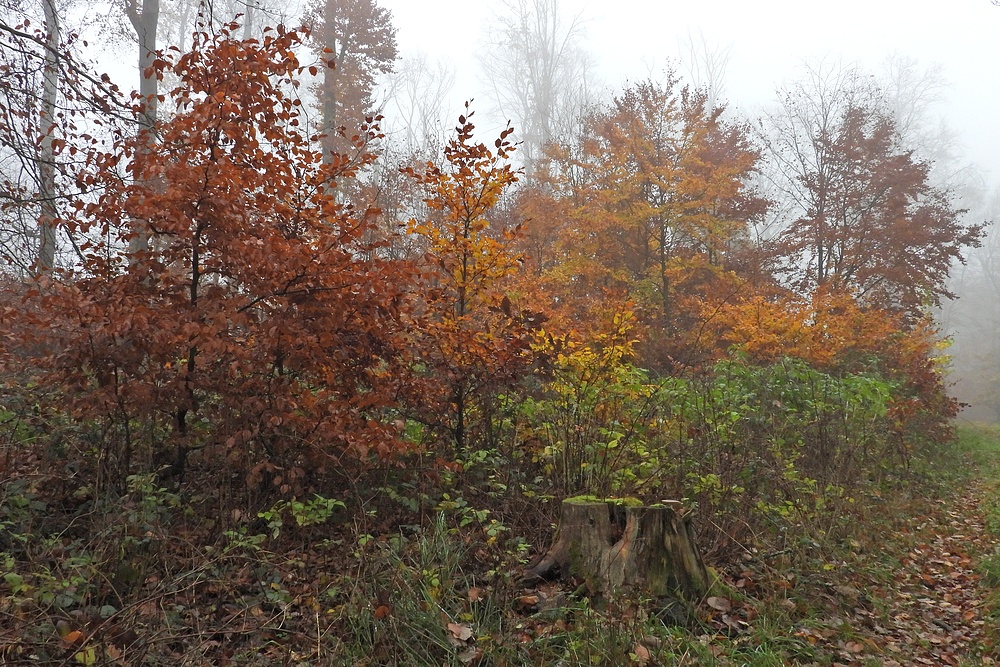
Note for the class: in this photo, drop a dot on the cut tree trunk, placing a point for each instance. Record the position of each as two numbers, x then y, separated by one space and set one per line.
615 547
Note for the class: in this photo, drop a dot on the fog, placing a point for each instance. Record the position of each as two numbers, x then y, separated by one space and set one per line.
767 43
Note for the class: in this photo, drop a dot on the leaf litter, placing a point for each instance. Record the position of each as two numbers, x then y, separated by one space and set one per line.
929 611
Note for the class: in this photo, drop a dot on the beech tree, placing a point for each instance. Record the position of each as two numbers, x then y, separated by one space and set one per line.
871 222
469 336
661 182
260 326
860 205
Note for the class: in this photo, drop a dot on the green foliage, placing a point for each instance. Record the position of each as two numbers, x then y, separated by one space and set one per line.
305 513
771 445
594 416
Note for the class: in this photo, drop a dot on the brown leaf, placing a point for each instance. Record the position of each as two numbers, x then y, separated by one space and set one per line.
471 655
719 604
461 632
854 647
73 637
527 602
641 654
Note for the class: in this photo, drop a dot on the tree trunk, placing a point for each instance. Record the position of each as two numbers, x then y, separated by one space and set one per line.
145 21
614 547
46 257
331 80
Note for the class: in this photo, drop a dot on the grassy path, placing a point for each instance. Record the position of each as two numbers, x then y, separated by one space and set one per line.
933 610
928 595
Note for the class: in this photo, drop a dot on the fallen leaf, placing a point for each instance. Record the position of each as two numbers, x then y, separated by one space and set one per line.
73 637
854 647
719 604
460 632
527 602
641 654
470 655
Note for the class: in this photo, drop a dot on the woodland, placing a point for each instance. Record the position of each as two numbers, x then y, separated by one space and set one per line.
280 386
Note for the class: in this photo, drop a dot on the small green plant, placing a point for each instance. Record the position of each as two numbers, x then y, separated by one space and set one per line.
311 512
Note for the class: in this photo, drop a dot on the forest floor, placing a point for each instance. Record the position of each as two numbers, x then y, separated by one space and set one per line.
912 579
918 585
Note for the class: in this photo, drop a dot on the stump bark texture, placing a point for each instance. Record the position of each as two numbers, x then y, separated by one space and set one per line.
613 546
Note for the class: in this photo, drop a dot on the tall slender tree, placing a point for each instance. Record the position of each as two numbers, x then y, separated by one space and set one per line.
358 43
144 15
45 260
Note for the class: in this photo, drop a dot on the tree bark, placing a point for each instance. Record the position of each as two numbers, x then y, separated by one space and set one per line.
614 547
144 22
46 257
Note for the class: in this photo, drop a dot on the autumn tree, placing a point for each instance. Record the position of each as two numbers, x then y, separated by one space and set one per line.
871 220
357 40
469 337
860 205
659 185
259 328
836 332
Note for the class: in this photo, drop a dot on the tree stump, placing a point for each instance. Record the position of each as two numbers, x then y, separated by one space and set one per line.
612 546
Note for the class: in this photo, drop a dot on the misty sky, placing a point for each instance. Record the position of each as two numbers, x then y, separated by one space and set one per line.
633 39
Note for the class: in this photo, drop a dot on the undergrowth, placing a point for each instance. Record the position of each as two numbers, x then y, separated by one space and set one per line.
161 576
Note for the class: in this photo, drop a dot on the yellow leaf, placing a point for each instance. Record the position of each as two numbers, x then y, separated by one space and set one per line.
87 656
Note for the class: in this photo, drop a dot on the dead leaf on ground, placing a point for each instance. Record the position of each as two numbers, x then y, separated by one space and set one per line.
719 604
460 631
641 653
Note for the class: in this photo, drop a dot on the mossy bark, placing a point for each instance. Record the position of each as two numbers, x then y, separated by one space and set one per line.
615 547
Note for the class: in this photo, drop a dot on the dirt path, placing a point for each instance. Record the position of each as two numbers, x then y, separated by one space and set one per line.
931 612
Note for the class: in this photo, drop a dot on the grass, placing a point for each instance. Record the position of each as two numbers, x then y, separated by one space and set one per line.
982 443
434 596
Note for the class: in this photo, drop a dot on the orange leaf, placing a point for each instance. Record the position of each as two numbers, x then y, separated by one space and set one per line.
73 637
